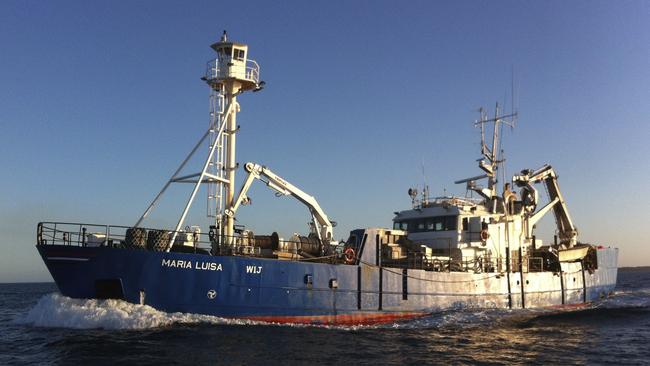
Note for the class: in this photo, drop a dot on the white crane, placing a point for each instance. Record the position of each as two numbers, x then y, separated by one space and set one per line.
321 226
566 230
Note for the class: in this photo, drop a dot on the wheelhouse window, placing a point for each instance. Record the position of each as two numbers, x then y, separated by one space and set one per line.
239 54
430 224
420 226
401 225
451 222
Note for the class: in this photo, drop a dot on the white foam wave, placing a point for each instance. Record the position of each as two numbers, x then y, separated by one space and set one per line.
460 318
56 310
629 298
644 291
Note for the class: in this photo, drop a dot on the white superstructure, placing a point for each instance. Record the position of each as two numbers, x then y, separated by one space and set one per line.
496 228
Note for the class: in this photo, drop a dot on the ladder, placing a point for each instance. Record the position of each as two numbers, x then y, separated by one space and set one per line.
216 189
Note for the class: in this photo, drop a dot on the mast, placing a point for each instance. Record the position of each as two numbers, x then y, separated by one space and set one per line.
229 75
490 160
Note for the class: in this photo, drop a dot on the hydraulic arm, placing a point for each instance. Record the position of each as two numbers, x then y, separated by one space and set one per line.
321 225
566 230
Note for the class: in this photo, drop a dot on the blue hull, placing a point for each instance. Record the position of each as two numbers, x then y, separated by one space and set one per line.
227 286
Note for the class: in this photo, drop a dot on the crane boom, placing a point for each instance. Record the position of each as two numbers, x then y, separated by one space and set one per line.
567 231
321 225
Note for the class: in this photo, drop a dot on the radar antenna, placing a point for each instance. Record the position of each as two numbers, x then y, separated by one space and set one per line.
492 156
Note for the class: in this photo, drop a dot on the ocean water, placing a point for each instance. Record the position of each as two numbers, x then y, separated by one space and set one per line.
39 326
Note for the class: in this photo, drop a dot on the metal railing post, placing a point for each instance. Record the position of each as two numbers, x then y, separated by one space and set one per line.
449 255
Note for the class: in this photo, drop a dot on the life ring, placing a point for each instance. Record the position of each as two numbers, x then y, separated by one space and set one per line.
350 255
485 235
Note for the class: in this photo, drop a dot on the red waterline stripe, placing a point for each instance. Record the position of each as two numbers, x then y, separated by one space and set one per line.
570 306
342 319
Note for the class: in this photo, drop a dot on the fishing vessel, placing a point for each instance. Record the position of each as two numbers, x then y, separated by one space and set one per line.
475 251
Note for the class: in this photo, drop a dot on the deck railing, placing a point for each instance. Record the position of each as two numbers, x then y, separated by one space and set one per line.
250 72
115 236
247 244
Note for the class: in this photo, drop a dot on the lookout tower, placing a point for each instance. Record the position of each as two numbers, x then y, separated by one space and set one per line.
232 68
229 75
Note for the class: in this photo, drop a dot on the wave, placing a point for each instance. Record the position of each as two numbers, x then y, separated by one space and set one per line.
58 311
637 298
622 305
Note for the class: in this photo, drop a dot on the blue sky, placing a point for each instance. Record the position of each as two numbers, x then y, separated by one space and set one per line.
100 101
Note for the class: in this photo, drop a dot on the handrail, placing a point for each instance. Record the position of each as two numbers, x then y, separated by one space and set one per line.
115 236
451 200
251 71
85 235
